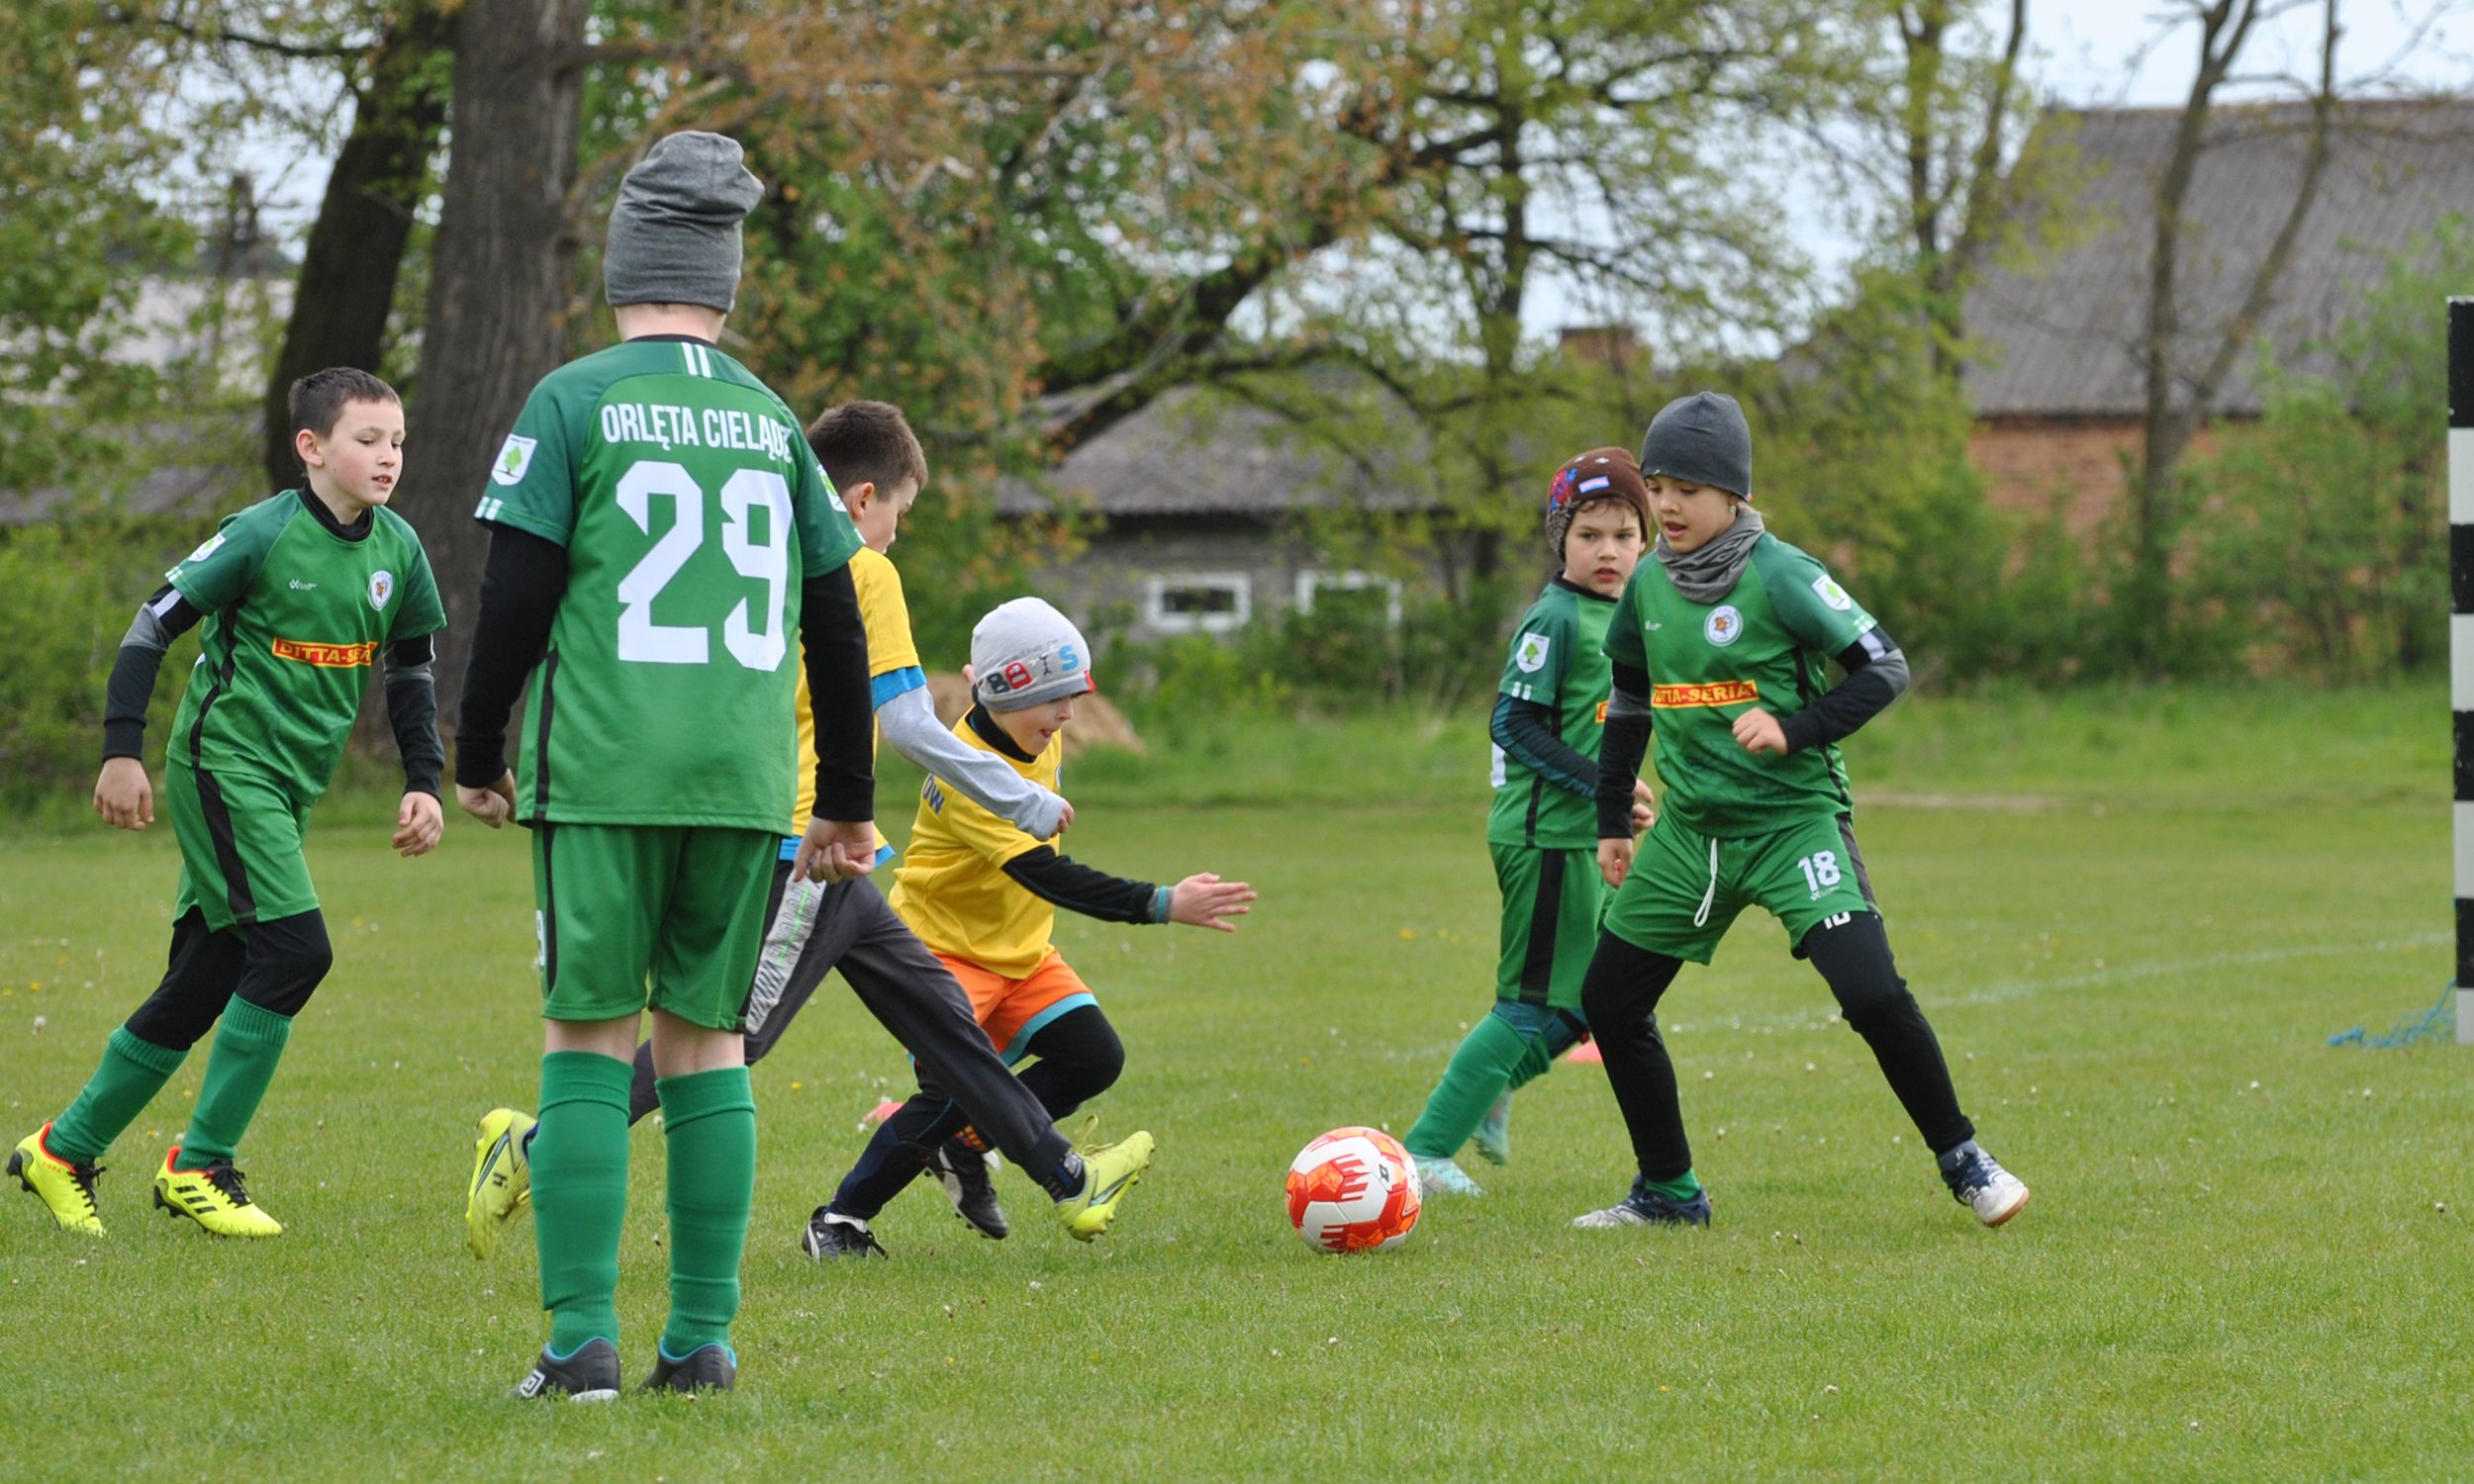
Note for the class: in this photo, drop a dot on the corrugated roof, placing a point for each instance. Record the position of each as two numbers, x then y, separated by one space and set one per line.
2061 336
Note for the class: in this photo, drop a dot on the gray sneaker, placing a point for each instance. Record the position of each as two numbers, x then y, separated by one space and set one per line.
1978 1182
1645 1207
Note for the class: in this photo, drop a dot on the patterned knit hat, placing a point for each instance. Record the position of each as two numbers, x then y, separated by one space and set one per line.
1024 652
1602 474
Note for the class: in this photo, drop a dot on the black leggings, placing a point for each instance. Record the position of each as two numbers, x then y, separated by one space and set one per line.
1620 995
1080 1058
275 965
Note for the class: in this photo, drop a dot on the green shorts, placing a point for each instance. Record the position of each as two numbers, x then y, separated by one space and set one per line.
670 916
240 860
1681 897
1552 902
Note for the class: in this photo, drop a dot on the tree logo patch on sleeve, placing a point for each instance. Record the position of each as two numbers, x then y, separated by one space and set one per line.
1531 655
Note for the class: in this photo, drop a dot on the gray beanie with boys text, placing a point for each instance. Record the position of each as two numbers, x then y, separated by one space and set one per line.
673 231
1023 653
1700 439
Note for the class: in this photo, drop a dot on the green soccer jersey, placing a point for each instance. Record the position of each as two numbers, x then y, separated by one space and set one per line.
1558 662
692 509
296 615
1762 644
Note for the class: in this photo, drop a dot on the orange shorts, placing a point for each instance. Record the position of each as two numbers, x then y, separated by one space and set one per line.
1011 1012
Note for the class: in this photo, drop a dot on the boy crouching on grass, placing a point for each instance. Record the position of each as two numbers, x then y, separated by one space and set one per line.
1720 642
300 594
1543 829
982 895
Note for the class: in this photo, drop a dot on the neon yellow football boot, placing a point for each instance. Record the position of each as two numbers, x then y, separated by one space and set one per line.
214 1197
502 1179
67 1188
1107 1173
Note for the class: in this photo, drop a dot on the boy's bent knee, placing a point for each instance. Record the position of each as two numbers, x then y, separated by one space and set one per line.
288 959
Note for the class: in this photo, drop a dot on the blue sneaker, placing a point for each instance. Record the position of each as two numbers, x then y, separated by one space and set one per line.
1978 1182
1494 1136
1443 1177
1645 1207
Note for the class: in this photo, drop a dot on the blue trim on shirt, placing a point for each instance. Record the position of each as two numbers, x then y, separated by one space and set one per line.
893 682
789 850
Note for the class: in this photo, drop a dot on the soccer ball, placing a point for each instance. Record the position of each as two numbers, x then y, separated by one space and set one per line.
1353 1190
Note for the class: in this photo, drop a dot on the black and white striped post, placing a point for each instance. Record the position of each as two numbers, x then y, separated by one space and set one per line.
2461 636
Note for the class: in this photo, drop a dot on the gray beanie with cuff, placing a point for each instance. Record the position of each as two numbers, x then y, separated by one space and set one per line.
1700 439
1024 653
673 231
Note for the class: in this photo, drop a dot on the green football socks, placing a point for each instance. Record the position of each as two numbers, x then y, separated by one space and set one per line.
130 1073
708 1123
1681 1189
249 1043
579 1158
1491 1059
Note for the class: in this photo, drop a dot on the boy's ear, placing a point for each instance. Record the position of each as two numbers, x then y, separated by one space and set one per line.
305 447
859 497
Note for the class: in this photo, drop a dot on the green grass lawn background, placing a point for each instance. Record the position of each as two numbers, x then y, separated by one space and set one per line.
2133 917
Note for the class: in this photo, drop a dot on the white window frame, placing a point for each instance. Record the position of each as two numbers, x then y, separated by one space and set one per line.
1313 580
1158 584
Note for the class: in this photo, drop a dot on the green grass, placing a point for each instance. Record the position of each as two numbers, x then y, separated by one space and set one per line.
2133 917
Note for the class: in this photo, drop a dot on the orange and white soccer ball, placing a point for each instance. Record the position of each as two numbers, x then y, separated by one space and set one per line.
1353 1190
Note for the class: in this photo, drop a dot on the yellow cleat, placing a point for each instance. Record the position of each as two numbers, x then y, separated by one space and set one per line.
65 1187
214 1197
502 1179
1107 1173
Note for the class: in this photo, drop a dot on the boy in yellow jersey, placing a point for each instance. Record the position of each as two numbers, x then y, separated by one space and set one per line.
874 461
982 894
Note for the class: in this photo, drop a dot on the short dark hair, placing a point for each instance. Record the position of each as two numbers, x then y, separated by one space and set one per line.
867 443
318 398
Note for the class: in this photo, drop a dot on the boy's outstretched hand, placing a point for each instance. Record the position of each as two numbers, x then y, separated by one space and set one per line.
494 806
123 794
1207 902
1760 731
418 824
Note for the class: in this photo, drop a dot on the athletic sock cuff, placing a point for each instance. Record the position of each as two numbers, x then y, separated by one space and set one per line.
584 1077
255 1022
701 1095
159 1058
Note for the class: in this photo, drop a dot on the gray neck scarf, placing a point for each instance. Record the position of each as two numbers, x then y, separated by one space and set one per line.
1707 570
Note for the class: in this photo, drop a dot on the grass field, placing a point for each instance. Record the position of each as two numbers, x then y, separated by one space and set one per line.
2134 918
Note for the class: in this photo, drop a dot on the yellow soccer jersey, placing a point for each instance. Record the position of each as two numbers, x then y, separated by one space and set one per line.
952 888
892 666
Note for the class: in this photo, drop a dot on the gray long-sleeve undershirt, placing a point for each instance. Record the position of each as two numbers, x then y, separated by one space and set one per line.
909 722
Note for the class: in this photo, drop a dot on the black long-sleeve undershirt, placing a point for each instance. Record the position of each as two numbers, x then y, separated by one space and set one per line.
164 616
1067 882
1877 675
521 581
1524 729
1620 750
835 646
413 714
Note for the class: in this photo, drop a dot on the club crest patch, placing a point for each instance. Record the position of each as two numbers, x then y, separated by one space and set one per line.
512 461
1531 655
381 588
1723 626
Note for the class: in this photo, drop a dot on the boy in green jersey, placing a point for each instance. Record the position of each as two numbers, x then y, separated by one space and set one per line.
1543 829
1719 643
299 595
666 548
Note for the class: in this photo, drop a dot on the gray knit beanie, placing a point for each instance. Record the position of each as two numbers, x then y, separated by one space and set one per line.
1023 653
1700 439
673 231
